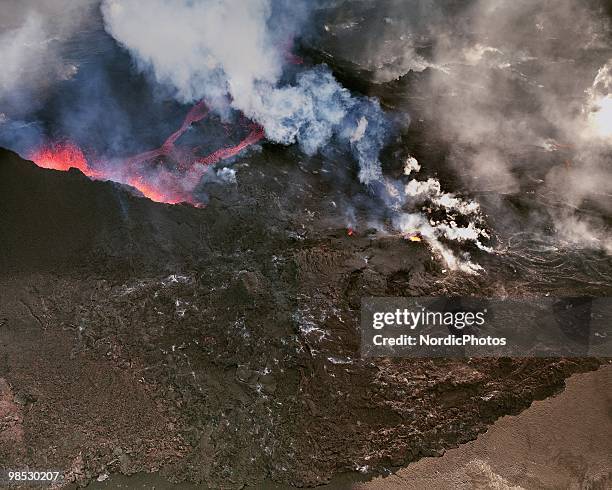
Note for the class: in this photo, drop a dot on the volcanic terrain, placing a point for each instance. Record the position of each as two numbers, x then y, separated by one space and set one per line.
220 345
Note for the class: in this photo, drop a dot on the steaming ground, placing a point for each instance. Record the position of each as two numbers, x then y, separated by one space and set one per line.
516 94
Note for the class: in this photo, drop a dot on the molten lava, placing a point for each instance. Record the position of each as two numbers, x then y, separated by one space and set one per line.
62 156
154 193
256 134
160 184
168 149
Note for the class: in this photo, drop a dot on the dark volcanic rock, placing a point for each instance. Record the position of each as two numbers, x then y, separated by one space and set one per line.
220 344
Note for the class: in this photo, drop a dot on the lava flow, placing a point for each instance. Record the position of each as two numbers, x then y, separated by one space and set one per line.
62 156
168 149
156 182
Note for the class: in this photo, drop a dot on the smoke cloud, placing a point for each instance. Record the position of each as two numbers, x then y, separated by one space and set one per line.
519 91
233 54
525 97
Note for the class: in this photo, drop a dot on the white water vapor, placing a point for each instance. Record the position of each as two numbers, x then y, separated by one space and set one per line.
524 78
233 55
520 91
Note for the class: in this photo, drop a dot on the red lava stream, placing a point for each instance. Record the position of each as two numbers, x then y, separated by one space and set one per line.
160 185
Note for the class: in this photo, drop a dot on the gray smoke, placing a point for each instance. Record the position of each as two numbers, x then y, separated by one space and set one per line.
519 90
32 37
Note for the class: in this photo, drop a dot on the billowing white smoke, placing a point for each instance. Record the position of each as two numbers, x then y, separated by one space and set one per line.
409 223
21 48
429 193
201 49
233 52
315 110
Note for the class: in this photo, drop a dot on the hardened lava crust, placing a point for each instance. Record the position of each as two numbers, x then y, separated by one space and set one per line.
219 345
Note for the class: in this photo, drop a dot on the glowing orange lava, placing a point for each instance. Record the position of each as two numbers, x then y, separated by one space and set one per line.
158 184
62 156
143 171
154 194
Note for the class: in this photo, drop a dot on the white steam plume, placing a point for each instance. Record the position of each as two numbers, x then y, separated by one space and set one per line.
233 52
505 80
599 104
